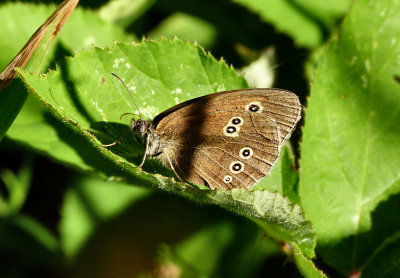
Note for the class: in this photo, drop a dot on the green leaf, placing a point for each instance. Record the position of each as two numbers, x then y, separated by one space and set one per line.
279 217
38 232
235 25
83 95
385 262
349 162
17 187
100 220
39 129
307 22
283 178
93 30
325 14
124 12
233 253
88 204
12 98
48 136
30 243
31 56
305 265
162 81
186 27
20 20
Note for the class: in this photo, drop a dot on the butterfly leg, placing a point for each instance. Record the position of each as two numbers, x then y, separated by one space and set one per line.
145 152
173 168
116 142
139 139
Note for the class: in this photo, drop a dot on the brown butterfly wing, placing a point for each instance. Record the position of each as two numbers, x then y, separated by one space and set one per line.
206 139
281 105
208 156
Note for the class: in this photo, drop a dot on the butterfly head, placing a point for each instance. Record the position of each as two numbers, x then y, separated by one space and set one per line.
145 129
141 127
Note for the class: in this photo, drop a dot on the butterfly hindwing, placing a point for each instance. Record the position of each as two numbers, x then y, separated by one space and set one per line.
240 161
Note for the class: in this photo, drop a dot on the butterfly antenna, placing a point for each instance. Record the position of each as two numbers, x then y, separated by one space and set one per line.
123 83
123 115
289 60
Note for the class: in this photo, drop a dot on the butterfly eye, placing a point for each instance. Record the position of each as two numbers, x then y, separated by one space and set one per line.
236 167
227 179
238 121
246 153
230 129
255 107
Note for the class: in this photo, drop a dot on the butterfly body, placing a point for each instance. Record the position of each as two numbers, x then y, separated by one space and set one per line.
145 129
224 140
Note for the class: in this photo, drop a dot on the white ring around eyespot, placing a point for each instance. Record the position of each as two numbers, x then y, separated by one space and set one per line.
243 149
255 103
227 177
234 134
233 171
236 117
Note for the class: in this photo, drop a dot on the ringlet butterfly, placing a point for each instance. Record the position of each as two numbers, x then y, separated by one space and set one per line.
224 140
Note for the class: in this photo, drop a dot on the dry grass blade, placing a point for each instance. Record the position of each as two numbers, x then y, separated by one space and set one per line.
56 21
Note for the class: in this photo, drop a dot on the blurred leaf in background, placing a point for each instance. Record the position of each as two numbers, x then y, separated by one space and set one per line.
136 231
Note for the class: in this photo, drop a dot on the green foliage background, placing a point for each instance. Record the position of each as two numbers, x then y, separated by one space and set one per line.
71 208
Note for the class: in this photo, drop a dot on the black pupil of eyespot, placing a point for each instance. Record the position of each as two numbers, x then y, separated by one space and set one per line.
231 129
236 121
237 166
228 179
246 153
254 108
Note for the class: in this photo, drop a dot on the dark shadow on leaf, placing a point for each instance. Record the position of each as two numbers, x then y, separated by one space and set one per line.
72 88
237 254
87 152
385 224
128 147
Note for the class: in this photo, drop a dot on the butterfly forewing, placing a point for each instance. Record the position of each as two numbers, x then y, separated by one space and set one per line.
227 140
282 106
